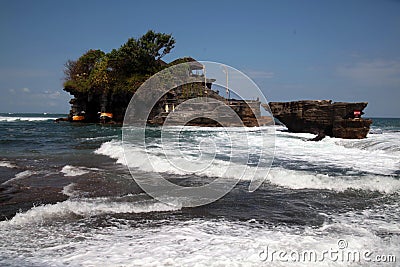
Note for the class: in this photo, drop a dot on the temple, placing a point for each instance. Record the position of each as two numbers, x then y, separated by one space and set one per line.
110 108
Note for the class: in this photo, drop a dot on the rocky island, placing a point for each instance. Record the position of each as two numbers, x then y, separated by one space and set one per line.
322 117
102 85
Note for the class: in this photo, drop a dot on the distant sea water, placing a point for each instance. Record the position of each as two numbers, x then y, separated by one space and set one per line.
67 199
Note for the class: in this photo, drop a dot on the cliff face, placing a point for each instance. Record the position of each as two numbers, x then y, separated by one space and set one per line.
322 117
103 87
248 111
91 104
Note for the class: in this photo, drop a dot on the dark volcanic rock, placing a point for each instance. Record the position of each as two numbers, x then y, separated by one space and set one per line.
248 111
322 117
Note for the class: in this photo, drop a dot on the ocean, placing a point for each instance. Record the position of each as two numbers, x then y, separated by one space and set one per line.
67 198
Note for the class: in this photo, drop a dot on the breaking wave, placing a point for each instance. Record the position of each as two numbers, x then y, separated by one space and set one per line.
85 208
17 118
372 177
7 164
70 171
19 176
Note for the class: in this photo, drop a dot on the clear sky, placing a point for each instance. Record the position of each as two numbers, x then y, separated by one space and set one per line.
344 50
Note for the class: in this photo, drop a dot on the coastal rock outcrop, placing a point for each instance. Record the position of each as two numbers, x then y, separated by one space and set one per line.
95 106
103 84
248 111
322 117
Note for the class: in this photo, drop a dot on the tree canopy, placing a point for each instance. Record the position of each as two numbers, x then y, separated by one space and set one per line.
123 69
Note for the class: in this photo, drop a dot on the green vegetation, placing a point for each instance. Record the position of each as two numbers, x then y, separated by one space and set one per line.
121 70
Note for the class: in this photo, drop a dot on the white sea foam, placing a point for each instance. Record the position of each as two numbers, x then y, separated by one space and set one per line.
69 190
386 142
7 164
19 176
339 153
21 118
85 208
195 243
69 170
99 137
162 164
199 151
327 153
113 149
302 180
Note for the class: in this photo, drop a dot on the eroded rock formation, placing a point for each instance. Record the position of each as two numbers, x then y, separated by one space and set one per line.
322 117
247 111
205 111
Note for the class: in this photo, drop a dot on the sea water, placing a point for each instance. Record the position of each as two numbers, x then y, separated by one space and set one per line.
68 198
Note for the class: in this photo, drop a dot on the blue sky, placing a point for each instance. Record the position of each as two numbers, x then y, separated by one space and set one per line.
344 50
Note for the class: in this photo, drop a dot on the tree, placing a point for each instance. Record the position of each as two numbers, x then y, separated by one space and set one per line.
77 72
124 61
141 56
84 65
99 77
156 45
121 69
